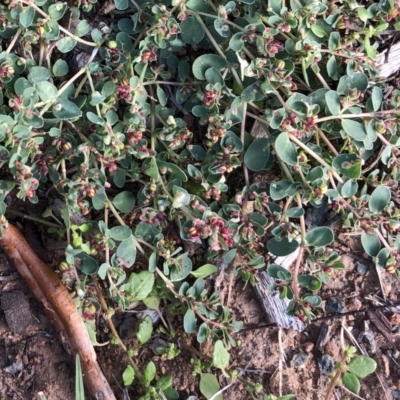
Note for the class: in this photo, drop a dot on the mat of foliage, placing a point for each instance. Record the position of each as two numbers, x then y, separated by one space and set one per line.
135 116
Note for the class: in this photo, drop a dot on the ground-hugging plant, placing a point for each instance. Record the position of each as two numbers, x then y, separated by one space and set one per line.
97 103
349 370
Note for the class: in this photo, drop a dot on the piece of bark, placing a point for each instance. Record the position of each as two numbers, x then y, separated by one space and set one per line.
274 307
382 323
58 306
389 64
323 336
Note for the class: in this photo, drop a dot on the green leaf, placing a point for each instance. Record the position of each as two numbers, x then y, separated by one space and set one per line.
379 199
331 67
26 17
149 372
230 256
66 44
124 201
351 382
128 375
362 366
349 189
354 129
121 4
334 40
192 31
358 80
348 164
82 28
278 272
38 74
145 330
376 98
285 149
60 68
150 168
205 61
127 250
320 236
236 42
310 282
162 98
46 91
181 197
120 232
79 388
257 154
362 14
371 244
383 257
204 271
94 118
318 31
164 382
333 102
152 302
86 264
209 386
281 248
57 10
220 355
189 321
140 285
64 109
295 212
279 189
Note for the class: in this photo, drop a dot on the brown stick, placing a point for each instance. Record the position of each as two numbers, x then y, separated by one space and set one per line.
59 307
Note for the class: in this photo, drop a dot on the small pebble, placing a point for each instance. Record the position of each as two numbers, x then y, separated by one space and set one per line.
299 360
361 268
396 394
326 364
14 368
128 328
334 305
308 347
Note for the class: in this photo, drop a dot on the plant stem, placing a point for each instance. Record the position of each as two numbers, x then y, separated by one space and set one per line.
89 77
171 83
385 141
382 239
106 314
295 284
245 169
226 21
39 220
316 156
210 37
322 80
332 385
62 29
14 40
328 142
361 115
334 380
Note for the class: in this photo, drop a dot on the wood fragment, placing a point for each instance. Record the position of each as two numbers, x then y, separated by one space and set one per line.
274 307
382 324
323 336
389 64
